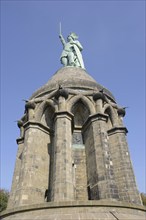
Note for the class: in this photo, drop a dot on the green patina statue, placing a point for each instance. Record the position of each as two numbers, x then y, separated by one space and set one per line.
71 54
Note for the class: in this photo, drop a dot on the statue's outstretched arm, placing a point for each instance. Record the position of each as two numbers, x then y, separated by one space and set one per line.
62 39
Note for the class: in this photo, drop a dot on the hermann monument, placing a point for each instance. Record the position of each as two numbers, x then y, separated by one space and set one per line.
73 160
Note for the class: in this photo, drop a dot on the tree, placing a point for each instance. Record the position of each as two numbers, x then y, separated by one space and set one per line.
143 197
4 195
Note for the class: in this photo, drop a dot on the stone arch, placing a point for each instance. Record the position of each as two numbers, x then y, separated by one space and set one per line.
44 106
81 107
108 109
81 113
82 99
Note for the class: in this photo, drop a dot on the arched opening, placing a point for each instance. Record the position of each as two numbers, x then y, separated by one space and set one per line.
81 113
47 117
47 120
109 121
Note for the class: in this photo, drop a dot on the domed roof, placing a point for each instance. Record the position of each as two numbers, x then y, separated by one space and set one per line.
71 77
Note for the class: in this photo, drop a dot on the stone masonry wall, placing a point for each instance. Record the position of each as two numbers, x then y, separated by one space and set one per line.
77 210
16 175
99 170
122 167
33 175
79 173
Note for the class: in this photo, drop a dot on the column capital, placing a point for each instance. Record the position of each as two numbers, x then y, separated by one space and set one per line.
61 114
116 130
95 117
98 95
61 92
30 105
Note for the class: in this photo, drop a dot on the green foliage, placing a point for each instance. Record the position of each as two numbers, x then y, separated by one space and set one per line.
143 197
4 195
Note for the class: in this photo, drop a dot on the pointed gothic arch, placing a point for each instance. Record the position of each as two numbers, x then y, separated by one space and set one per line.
45 113
108 109
80 98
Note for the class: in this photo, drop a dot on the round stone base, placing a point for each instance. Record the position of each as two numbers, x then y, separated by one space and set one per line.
77 210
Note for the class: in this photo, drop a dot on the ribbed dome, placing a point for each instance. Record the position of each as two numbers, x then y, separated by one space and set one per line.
71 77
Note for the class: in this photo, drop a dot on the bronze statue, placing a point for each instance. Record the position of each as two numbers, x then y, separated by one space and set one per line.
71 54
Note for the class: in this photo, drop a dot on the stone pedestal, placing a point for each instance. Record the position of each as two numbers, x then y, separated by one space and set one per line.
66 154
77 210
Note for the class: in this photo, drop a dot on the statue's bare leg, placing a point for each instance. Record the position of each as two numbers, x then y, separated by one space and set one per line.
71 59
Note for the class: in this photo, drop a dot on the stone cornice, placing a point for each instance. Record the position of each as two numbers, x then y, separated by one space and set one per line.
115 130
20 140
37 125
95 117
63 113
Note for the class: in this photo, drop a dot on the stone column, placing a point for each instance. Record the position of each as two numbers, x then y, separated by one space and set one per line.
63 188
61 95
33 175
101 184
30 106
16 176
122 166
99 98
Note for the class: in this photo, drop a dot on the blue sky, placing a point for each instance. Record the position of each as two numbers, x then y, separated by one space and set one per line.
113 36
